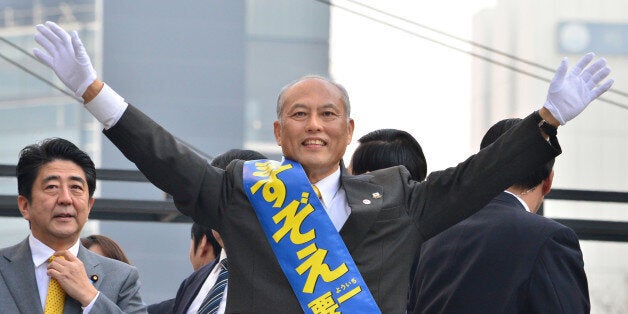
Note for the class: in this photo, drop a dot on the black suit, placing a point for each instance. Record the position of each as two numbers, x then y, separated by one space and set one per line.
395 224
188 290
502 259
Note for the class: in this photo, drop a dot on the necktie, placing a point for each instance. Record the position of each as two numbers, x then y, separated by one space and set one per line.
318 192
214 296
55 298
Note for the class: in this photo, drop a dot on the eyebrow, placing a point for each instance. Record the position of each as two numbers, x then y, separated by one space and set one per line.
56 177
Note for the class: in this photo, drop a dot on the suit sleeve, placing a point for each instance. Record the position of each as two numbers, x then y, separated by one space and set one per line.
129 300
558 283
449 196
171 166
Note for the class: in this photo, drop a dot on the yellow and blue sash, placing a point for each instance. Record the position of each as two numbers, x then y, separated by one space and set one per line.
310 251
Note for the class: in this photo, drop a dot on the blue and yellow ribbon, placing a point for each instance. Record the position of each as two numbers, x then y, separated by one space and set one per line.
310 251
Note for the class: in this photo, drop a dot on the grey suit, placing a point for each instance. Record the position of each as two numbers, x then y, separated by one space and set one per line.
382 237
117 282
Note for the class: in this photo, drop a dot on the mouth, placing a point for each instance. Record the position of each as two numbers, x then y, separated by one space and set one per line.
63 216
314 143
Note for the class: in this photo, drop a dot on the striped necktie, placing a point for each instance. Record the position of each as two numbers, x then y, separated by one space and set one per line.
214 296
55 298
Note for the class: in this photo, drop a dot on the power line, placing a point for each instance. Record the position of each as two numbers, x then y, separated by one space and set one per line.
80 100
479 56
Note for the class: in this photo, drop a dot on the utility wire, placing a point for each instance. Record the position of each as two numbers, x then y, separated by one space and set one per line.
488 59
47 82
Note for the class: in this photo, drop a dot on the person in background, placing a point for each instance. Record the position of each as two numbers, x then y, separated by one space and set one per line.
206 257
50 270
104 246
356 223
385 148
504 258
204 248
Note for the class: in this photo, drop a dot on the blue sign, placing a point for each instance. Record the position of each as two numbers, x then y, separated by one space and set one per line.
577 37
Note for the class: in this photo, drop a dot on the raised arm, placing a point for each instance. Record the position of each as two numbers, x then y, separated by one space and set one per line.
456 193
168 164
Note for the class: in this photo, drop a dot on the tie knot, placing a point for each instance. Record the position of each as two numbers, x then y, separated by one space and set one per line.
225 264
318 192
52 258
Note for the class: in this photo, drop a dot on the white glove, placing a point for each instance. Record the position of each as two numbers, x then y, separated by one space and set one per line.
66 57
569 93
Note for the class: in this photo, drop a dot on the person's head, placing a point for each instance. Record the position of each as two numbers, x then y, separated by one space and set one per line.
203 246
538 182
104 246
56 182
222 161
387 148
313 124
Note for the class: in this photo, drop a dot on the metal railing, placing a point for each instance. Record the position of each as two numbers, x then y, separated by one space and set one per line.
165 211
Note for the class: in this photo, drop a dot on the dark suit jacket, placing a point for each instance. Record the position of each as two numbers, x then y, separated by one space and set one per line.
502 259
117 282
188 290
393 225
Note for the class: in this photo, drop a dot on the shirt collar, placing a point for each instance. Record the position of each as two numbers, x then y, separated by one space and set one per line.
329 185
41 252
520 200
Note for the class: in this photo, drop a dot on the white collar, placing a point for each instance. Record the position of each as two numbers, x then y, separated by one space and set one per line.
41 252
329 185
520 200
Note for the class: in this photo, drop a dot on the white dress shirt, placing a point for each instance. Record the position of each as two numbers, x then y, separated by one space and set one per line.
207 285
520 201
41 253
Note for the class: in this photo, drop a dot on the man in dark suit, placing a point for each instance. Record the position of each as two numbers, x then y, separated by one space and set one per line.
377 215
504 258
56 182
193 289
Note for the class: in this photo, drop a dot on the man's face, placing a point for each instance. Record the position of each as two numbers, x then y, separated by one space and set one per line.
314 129
60 204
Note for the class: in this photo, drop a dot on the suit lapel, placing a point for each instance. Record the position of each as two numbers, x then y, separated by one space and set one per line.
20 277
365 200
192 290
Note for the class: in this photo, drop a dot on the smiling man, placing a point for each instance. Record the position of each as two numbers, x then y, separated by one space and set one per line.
303 235
51 271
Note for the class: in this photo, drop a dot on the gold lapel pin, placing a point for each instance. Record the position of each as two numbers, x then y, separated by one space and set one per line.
94 278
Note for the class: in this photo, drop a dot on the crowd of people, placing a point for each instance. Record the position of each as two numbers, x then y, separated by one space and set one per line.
306 234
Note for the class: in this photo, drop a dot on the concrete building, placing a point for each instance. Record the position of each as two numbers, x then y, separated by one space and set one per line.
594 146
209 72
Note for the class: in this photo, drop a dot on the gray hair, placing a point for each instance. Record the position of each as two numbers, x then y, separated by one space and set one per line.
343 91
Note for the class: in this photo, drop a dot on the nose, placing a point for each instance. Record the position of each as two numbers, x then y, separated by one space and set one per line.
64 196
314 123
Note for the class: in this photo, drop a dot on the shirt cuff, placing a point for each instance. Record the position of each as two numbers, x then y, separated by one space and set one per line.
107 107
90 305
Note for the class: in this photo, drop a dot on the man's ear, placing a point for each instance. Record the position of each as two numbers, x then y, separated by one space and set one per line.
23 204
547 183
277 131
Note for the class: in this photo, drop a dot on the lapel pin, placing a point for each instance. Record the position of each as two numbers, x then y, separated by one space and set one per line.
366 202
377 195
94 278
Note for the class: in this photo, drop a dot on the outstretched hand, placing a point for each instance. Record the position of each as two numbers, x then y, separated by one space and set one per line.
66 56
570 92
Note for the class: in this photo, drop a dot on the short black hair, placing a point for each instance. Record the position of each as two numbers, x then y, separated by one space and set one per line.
221 161
385 148
536 176
33 157
198 231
